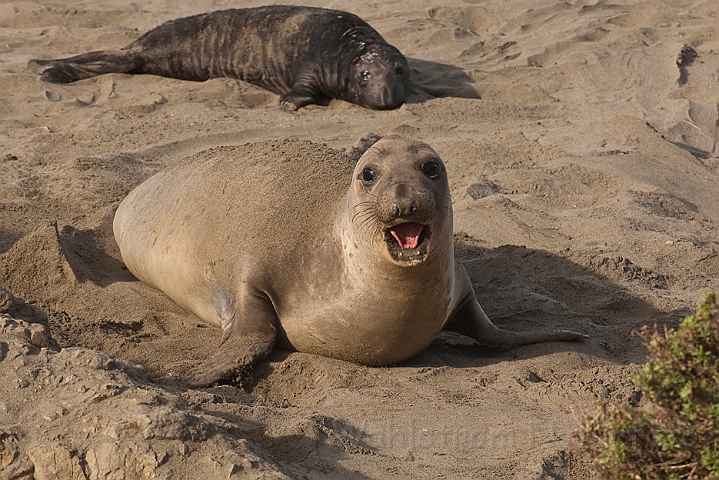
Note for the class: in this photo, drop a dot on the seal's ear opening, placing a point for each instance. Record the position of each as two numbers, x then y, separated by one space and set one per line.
362 145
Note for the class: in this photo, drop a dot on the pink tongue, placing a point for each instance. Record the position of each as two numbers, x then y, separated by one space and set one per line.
407 234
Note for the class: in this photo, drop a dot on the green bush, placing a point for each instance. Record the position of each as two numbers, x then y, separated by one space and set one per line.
675 436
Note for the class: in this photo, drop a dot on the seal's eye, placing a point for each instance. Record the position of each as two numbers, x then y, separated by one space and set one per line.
400 71
431 169
368 175
365 75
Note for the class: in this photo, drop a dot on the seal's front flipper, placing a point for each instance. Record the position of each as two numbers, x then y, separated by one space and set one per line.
294 102
302 93
232 358
248 336
88 65
470 320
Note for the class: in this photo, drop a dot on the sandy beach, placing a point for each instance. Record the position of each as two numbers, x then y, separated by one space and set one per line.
580 139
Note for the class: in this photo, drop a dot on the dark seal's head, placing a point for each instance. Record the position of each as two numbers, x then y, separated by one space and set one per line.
402 202
379 77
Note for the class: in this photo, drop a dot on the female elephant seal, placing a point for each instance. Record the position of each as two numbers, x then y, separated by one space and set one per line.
303 54
282 243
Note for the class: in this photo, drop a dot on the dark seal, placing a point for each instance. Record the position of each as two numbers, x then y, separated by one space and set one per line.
303 54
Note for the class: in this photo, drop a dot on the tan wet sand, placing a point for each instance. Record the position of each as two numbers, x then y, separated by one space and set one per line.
581 144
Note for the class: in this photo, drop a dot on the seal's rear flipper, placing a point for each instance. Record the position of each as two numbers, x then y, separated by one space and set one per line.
470 320
87 65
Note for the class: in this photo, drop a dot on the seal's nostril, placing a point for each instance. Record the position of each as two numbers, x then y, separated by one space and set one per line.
385 96
404 206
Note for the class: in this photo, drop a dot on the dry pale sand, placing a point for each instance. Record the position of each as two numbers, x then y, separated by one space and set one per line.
581 143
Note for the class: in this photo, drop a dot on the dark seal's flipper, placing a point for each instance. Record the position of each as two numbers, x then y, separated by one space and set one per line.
92 64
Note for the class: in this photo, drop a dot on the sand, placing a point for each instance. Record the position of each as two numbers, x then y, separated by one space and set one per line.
581 144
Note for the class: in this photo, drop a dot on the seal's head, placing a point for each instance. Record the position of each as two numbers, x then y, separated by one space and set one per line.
402 200
379 77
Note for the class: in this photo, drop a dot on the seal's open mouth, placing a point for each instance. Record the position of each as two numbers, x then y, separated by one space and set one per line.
407 241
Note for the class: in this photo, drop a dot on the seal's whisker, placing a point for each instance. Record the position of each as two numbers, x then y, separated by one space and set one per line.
367 221
373 229
368 212
362 204
443 195
445 210
438 220
360 214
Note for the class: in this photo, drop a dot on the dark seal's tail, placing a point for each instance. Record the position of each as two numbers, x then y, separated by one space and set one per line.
87 65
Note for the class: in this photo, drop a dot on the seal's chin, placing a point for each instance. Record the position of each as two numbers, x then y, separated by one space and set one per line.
408 242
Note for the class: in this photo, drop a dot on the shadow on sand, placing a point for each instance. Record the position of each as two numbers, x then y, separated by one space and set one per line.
436 80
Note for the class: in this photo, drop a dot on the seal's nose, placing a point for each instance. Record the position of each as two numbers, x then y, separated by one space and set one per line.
392 94
404 206
403 201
